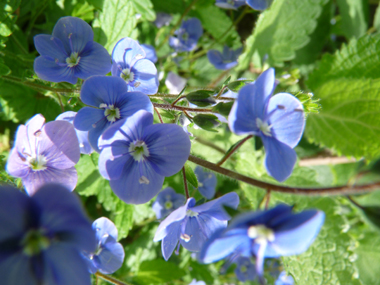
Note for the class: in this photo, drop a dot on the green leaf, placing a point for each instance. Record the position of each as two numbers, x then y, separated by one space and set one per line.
235 86
116 21
145 8
158 271
4 70
207 122
223 108
201 98
353 12
281 30
190 175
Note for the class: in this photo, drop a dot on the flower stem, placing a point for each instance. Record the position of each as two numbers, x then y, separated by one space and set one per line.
37 87
334 190
159 115
181 108
230 152
110 279
178 99
185 183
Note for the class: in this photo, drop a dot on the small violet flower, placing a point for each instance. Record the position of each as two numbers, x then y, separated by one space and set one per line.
225 60
130 63
192 225
230 4
150 52
137 155
279 121
162 19
175 83
44 153
110 101
70 53
245 270
42 237
84 144
166 202
259 4
271 233
206 182
109 255
187 36
284 279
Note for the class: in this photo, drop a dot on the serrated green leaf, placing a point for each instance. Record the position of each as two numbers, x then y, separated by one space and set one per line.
190 175
201 98
4 70
116 21
353 13
145 8
158 271
281 30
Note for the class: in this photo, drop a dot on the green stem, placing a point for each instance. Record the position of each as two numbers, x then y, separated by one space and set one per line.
229 153
37 87
334 190
110 279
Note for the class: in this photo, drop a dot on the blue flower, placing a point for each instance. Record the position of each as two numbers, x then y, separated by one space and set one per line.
130 63
195 282
110 101
245 269
259 4
284 279
192 225
206 182
162 19
166 202
42 236
44 153
187 36
137 155
278 120
230 4
84 144
225 60
70 53
150 52
109 254
271 233
175 83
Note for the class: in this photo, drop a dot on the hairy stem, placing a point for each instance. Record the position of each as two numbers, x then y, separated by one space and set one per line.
185 183
181 108
110 279
229 153
336 190
159 115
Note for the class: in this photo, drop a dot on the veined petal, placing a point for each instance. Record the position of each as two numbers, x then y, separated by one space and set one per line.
131 102
138 184
49 46
11 267
111 257
17 165
104 226
74 33
279 158
95 133
264 87
102 89
170 241
94 61
113 159
258 4
215 208
127 51
49 70
288 123
169 147
86 117
36 179
146 79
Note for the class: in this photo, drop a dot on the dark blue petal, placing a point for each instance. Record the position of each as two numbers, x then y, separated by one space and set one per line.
145 77
258 4
193 27
74 33
169 147
170 241
94 61
49 46
129 187
47 69
287 124
62 214
17 269
95 133
215 208
87 117
112 160
280 158
111 257
131 102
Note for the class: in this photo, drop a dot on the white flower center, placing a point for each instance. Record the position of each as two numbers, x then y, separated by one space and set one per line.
37 163
127 75
264 127
185 237
139 150
191 214
73 59
112 113
260 233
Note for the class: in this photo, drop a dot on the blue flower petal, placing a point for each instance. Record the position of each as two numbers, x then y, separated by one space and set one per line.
146 79
51 47
287 124
280 158
112 160
150 52
94 60
129 187
11 268
206 182
104 226
258 4
131 102
168 195
194 27
111 256
215 208
49 70
126 52
74 33
87 117
95 133
170 241
169 147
